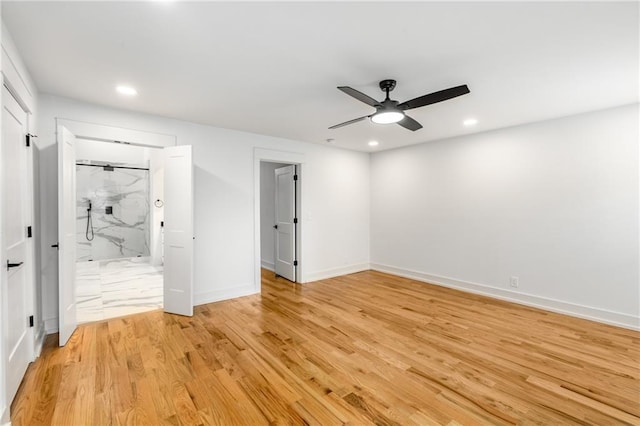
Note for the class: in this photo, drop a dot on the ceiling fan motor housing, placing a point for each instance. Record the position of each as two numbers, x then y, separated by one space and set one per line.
387 85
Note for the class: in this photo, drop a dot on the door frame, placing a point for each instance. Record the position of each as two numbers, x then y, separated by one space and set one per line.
113 134
284 157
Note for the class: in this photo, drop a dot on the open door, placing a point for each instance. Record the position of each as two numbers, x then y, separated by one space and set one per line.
178 230
66 233
285 251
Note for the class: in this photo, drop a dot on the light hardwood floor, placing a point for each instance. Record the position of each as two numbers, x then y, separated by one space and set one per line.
367 348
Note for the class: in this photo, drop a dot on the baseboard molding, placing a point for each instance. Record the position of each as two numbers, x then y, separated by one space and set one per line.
4 416
224 294
51 325
567 308
39 340
335 272
268 265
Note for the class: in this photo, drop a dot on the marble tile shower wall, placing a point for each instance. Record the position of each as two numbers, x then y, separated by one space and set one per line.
120 213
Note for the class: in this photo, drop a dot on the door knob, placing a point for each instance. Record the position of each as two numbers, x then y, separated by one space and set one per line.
13 265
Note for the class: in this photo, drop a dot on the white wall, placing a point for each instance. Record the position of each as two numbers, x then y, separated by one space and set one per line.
112 152
267 213
336 200
554 203
156 171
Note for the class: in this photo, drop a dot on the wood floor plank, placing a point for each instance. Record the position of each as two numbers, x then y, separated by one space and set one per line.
366 348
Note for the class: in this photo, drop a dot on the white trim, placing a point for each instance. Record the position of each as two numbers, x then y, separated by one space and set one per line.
268 265
39 340
51 325
336 272
5 419
287 157
224 294
105 133
15 74
581 311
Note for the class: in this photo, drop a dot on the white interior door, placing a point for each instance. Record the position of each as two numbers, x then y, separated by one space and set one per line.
285 250
178 230
66 234
16 279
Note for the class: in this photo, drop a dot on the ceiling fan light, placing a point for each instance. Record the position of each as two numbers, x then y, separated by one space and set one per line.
387 117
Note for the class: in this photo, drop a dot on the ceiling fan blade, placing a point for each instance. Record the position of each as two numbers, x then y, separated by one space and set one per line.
346 123
409 123
434 97
359 96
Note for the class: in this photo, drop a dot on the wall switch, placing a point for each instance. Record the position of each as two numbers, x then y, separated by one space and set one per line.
513 282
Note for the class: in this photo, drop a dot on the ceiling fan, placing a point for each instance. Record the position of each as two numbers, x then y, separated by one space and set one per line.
390 111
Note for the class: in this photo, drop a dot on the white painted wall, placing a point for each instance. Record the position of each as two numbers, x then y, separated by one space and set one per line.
112 152
336 200
554 203
156 171
267 213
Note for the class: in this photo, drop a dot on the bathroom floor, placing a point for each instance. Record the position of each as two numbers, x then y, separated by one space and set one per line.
113 288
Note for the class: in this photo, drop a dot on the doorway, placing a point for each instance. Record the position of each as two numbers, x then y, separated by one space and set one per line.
279 223
76 216
119 212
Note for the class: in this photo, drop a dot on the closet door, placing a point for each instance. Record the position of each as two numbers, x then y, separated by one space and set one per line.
16 294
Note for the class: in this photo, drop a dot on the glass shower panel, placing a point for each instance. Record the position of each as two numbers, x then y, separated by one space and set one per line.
117 225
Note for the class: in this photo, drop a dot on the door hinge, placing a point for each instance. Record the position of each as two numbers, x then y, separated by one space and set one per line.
31 321
295 263
29 233
295 177
295 220
28 137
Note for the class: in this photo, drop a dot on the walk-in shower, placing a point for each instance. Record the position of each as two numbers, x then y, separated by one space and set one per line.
112 211
114 274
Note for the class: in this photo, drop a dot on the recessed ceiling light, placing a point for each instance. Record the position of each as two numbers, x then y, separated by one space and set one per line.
126 90
373 143
470 122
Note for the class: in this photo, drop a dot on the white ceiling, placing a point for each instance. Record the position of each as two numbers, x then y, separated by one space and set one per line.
272 68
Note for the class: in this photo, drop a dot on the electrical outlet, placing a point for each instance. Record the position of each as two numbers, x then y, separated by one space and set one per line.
513 282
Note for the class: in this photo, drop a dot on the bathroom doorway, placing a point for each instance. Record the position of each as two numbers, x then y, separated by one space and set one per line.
119 232
170 229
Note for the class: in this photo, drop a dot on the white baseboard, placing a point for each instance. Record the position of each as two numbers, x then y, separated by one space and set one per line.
335 272
4 417
224 294
39 340
567 308
51 325
268 265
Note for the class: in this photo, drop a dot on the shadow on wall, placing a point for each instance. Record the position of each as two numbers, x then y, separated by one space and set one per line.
48 196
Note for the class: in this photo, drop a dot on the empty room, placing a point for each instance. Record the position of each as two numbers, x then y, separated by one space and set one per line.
385 213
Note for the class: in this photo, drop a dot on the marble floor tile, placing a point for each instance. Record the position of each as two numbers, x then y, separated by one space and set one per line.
112 288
